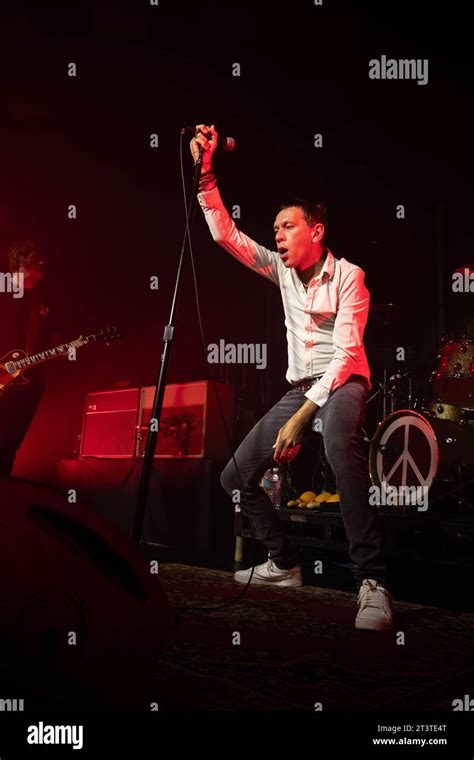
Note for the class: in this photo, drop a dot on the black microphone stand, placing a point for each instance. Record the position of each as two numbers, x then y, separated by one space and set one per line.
152 437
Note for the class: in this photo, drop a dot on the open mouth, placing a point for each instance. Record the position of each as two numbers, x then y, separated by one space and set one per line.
283 253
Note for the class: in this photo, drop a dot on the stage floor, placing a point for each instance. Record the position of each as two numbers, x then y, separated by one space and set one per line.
299 647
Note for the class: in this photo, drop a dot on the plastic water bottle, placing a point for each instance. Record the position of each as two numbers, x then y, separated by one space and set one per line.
271 484
276 487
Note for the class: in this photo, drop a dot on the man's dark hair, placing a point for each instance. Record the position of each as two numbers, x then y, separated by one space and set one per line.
314 212
24 253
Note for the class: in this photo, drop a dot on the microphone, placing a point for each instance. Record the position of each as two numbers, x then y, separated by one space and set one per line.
225 143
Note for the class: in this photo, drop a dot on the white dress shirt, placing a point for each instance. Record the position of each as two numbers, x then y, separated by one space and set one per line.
324 325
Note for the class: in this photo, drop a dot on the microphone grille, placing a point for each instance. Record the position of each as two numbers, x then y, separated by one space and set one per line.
229 144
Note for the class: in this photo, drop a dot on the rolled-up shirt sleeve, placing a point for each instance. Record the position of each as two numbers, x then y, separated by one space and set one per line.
349 325
224 232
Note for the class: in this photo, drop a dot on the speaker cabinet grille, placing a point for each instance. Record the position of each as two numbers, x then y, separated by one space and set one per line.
109 426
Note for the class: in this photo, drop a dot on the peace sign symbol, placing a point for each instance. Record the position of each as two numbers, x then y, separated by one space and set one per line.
404 451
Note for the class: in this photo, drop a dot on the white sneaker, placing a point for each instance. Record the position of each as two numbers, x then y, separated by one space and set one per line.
375 607
270 575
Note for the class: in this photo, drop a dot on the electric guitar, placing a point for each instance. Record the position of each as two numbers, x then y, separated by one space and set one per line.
13 365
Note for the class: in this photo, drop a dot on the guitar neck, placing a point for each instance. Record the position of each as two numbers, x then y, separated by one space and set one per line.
44 356
108 334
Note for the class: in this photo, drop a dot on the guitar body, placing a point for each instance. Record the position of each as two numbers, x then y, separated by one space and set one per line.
7 377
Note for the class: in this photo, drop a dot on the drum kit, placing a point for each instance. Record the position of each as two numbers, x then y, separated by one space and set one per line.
427 441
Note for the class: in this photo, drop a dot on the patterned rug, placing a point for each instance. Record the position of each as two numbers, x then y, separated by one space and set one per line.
299 647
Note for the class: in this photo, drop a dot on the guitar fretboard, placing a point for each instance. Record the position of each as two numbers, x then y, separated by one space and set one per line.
42 356
12 367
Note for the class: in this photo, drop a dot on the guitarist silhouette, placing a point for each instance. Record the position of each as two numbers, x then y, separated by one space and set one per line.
24 325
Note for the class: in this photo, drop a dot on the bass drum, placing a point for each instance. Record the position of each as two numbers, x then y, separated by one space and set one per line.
410 449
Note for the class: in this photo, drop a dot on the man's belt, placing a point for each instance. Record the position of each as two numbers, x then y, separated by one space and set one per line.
306 383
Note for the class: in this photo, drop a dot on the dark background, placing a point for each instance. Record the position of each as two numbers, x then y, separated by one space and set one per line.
304 70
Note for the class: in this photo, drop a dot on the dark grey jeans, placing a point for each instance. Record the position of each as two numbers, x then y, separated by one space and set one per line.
342 418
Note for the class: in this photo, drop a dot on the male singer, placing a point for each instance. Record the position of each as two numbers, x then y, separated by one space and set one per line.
326 307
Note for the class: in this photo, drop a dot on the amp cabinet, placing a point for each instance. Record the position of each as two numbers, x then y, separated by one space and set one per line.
115 423
109 425
191 426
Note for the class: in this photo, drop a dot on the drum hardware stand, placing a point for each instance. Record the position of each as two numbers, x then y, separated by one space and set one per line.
384 394
389 392
396 378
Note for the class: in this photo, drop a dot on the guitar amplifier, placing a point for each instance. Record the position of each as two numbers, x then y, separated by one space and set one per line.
109 427
115 423
191 425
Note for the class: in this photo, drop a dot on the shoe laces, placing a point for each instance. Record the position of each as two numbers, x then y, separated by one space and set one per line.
372 595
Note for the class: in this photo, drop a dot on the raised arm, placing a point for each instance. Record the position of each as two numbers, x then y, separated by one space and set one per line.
222 227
